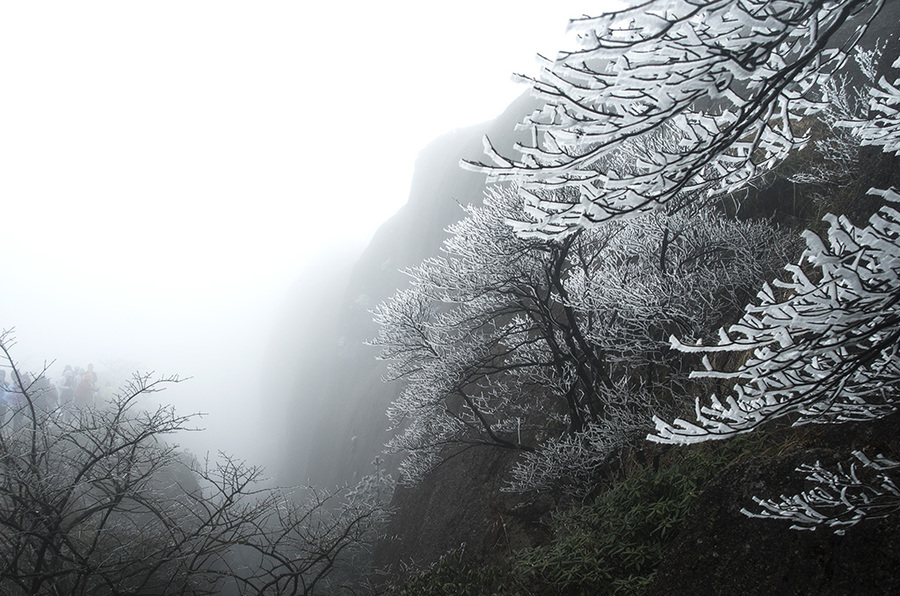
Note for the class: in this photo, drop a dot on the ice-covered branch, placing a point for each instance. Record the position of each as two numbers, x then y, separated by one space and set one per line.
730 79
826 350
841 498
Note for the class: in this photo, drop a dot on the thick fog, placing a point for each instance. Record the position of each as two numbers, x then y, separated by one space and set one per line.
177 177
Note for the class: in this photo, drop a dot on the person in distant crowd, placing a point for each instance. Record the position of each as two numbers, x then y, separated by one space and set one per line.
66 385
87 387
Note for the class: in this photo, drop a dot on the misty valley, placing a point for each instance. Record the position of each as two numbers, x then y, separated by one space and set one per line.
636 335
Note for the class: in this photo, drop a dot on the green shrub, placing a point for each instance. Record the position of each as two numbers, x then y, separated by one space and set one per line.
614 544
453 577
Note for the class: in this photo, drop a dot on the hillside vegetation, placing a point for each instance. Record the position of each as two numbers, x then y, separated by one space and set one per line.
661 261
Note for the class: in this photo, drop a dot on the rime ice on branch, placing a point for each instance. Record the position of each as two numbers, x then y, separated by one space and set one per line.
94 500
730 77
883 128
828 351
840 498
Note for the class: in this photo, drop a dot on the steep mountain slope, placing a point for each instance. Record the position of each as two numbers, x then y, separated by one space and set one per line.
339 425
334 400
719 550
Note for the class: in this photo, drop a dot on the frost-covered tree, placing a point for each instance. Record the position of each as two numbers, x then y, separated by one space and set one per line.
730 79
680 274
94 500
657 275
478 336
521 342
847 100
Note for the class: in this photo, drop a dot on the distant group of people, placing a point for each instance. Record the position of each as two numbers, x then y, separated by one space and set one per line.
76 387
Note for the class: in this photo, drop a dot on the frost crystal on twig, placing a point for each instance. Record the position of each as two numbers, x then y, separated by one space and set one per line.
841 498
731 79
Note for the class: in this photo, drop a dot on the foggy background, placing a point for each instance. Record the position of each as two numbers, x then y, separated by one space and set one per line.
180 179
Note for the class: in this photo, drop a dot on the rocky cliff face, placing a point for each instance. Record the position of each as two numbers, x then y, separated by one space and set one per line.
334 420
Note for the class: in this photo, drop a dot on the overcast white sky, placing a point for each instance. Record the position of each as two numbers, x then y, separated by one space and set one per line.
167 167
